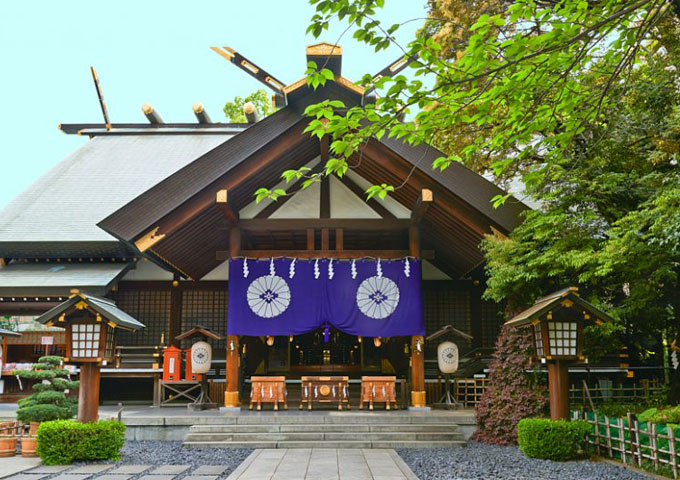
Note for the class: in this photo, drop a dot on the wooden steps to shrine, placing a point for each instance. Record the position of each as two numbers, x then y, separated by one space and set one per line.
342 430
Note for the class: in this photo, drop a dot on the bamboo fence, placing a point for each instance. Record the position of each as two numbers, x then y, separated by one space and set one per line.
643 444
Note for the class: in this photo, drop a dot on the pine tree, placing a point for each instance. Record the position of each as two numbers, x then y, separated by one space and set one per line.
49 402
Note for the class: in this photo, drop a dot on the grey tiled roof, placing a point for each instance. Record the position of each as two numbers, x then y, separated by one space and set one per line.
65 204
78 275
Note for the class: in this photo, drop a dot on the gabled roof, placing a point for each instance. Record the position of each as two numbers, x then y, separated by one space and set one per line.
65 204
103 306
556 300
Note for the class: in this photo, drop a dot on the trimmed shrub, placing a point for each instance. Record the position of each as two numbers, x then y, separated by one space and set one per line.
559 440
49 402
665 416
513 394
60 442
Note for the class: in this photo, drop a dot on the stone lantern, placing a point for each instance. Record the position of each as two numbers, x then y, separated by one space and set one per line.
556 322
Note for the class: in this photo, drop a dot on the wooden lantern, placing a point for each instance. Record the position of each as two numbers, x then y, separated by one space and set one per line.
557 323
90 323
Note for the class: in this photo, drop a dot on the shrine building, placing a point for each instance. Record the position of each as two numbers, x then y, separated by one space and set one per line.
160 219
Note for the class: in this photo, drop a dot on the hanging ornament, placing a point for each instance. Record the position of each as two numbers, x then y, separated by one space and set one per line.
326 333
407 268
272 271
291 270
331 273
354 269
245 268
377 342
270 341
316 268
379 269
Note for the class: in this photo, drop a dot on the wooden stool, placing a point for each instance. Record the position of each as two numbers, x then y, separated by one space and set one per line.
324 390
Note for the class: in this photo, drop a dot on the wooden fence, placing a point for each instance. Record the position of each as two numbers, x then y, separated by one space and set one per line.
633 442
467 391
644 389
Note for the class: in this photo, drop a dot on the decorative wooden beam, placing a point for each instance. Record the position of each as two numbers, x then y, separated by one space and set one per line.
250 68
310 239
339 239
149 239
325 189
285 224
325 239
373 203
424 201
221 199
222 255
234 243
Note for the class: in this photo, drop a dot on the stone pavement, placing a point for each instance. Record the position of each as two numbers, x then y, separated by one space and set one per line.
100 471
323 464
13 465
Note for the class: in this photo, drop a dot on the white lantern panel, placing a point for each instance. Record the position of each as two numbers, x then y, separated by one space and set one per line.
447 357
201 357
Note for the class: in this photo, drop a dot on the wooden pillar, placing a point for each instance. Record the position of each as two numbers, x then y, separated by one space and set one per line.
175 323
231 392
417 372
88 392
558 384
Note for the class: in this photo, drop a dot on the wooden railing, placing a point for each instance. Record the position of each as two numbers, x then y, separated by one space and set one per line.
467 391
644 389
647 445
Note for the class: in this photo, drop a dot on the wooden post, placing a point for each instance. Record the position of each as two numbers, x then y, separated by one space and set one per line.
417 372
231 391
88 393
175 323
558 384
231 394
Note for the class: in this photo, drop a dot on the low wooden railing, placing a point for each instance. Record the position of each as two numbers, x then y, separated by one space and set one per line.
467 391
647 445
629 393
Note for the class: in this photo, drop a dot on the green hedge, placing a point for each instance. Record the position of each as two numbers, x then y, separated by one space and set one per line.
60 442
559 440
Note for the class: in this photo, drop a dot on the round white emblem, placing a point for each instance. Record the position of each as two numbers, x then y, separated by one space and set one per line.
377 297
268 296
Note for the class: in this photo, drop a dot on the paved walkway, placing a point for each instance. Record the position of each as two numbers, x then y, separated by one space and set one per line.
13 465
323 464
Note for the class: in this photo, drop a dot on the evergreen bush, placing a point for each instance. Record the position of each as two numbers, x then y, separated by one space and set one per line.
558 440
61 442
513 394
49 402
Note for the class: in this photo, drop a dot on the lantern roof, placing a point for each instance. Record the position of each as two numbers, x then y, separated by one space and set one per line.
199 331
103 306
554 301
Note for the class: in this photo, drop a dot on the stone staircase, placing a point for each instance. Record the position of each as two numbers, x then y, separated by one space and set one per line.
293 429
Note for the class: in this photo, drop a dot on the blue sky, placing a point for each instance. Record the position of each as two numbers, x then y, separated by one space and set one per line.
146 51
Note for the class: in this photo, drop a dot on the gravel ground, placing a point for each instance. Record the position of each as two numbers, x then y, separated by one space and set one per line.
173 453
478 461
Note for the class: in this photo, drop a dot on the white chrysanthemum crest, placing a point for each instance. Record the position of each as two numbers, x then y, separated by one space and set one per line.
245 268
316 268
272 271
407 268
354 269
331 272
379 269
291 270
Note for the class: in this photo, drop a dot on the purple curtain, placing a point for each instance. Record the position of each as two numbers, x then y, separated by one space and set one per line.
364 297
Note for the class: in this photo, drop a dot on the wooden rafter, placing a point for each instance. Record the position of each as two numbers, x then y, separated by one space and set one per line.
374 204
302 224
221 200
424 201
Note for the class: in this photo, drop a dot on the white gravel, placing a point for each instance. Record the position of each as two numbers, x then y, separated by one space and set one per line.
479 461
173 453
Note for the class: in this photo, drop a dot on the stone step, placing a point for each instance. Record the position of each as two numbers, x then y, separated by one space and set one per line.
330 444
321 437
324 428
338 418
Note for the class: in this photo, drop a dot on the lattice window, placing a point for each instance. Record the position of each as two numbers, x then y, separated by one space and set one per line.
110 337
443 304
562 336
152 308
85 340
207 308
492 321
538 337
